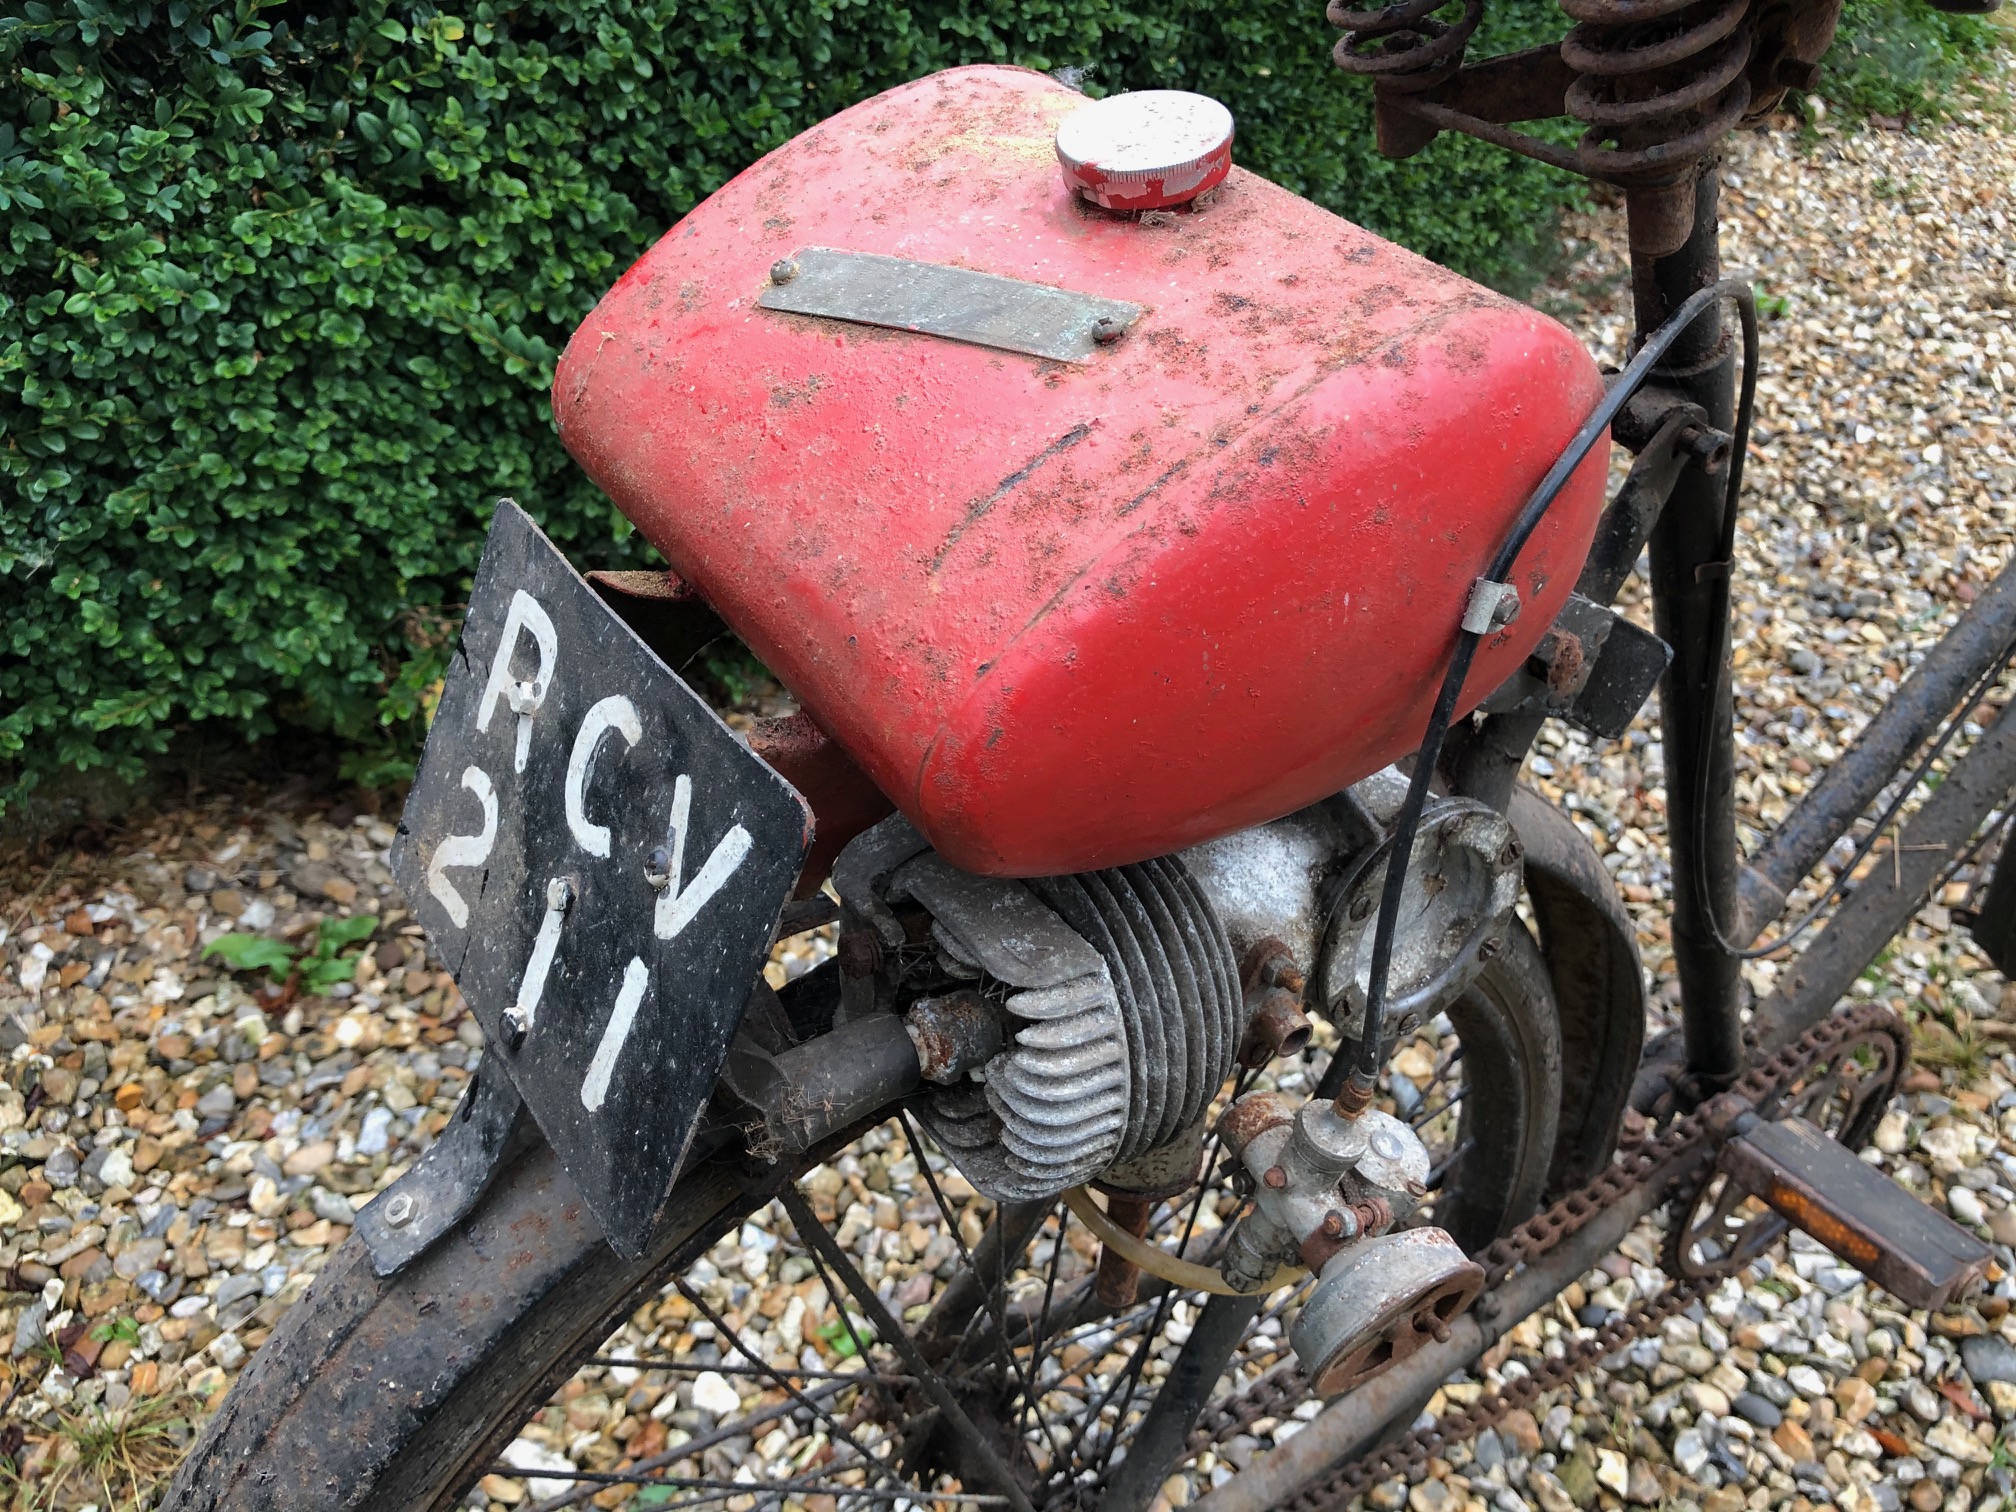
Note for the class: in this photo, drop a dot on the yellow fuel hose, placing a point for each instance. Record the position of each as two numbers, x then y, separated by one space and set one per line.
1177 1272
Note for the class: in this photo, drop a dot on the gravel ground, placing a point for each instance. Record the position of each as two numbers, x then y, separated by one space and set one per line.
184 1143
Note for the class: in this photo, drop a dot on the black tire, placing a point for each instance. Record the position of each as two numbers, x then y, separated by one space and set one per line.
396 1395
1511 1034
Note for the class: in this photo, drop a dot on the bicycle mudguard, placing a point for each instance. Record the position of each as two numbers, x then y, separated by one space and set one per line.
1591 949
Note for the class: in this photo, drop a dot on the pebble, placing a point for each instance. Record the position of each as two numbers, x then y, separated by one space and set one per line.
1690 1451
1613 1471
712 1393
1753 1408
1987 1358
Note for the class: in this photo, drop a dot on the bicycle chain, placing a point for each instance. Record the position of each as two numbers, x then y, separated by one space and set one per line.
1669 1156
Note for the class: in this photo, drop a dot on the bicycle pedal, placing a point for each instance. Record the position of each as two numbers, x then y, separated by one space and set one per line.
1911 1250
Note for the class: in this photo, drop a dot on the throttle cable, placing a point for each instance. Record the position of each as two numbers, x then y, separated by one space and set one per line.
1488 596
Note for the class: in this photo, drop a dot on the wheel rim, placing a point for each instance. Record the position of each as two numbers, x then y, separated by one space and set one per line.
1064 1397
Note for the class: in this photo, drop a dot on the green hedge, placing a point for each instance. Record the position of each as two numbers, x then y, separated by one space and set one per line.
282 284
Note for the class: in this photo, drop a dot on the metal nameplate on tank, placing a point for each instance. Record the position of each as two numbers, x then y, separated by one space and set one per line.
935 299
600 862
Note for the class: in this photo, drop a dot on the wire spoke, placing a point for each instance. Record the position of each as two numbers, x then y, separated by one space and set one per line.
1440 1108
722 1327
694 1367
995 1296
1440 1173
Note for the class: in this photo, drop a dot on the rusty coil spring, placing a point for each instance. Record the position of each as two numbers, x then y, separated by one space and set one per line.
1403 46
1658 81
1680 1151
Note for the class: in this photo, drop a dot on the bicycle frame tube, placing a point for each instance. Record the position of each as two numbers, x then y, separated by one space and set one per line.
1672 256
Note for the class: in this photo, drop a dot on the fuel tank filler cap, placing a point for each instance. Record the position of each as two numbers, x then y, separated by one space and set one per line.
1146 150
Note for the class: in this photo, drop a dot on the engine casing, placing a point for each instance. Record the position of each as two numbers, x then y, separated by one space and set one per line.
1074 615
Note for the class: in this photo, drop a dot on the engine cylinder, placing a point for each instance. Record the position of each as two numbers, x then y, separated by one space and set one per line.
1119 1007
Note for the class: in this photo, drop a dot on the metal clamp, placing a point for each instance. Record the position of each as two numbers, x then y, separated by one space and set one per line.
489 1125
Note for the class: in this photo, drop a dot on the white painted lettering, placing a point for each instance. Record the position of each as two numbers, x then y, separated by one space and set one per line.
559 896
680 901
523 697
464 850
614 712
595 1087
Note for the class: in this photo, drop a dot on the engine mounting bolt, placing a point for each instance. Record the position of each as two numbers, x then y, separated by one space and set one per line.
783 270
860 953
1275 1177
1360 907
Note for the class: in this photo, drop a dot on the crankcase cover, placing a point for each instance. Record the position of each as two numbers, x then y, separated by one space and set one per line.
1073 612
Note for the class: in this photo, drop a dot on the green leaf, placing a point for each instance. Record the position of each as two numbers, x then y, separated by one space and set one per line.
332 934
320 973
251 952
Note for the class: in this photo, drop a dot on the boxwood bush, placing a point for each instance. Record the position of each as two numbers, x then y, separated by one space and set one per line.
282 283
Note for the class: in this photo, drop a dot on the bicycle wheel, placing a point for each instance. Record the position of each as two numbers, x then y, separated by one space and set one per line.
401 1394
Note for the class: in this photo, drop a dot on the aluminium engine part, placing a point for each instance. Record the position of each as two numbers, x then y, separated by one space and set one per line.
1320 1181
1378 1301
1069 1023
1462 883
1269 882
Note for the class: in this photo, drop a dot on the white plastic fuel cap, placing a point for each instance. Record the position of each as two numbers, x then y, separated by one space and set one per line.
1147 149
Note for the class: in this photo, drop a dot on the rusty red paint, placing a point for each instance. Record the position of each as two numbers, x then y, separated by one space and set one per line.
844 802
1070 616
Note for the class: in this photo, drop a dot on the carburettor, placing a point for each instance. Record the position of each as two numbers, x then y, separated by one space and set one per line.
1328 1189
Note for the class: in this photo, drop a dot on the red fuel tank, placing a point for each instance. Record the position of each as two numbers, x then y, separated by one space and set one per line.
1071 611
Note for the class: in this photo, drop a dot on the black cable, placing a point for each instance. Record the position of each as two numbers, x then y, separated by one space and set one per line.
1363 1065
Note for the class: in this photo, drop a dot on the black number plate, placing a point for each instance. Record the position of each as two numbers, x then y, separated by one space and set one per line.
601 863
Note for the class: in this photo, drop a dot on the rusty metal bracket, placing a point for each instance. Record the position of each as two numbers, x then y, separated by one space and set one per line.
1593 668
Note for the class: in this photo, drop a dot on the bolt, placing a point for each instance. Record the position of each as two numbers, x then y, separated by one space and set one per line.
1275 1177
514 1028
860 953
1333 1224
1490 948
1509 854
1360 907
1387 1145
1106 330
658 868
783 271
1416 1188
400 1210
1708 446
1409 1022
560 894
1438 1328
